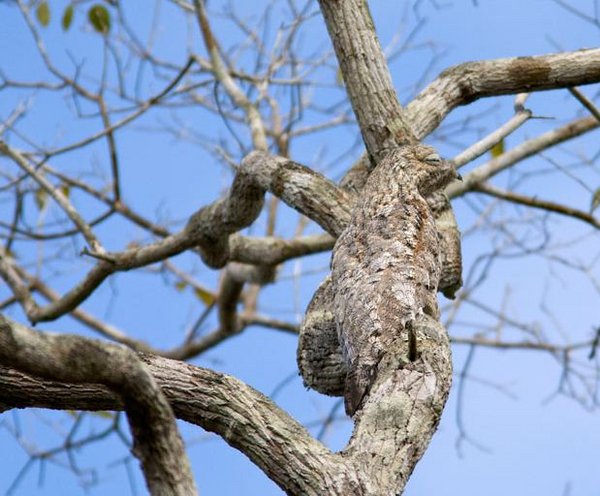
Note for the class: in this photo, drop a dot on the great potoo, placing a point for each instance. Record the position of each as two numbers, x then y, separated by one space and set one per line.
386 264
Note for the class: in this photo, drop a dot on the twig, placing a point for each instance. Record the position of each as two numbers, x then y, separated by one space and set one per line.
126 120
587 103
537 203
520 345
221 72
483 145
521 152
56 194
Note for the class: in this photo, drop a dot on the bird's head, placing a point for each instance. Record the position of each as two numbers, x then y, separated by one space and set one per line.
423 165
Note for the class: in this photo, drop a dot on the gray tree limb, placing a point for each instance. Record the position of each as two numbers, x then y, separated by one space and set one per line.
465 83
382 121
242 416
76 360
210 228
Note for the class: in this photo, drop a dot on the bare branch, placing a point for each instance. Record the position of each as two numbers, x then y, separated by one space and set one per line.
103 328
270 323
142 108
367 77
537 203
222 74
272 250
308 192
586 102
55 193
209 229
465 83
522 345
521 152
242 416
77 360
483 145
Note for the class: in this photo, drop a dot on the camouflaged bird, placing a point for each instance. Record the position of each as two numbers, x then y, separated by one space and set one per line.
386 264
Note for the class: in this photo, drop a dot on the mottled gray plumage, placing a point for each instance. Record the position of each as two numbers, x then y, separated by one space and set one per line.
320 359
386 264
450 244
319 356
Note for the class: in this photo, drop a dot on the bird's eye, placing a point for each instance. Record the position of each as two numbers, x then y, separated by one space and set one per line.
433 158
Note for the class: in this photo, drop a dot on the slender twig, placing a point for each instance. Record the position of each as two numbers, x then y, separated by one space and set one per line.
55 193
129 118
586 102
537 203
222 73
521 345
524 150
483 145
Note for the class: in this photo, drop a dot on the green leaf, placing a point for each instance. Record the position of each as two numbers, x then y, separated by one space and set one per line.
206 297
497 149
8 253
595 200
104 415
180 285
65 189
41 198
67 18
42 12
99 18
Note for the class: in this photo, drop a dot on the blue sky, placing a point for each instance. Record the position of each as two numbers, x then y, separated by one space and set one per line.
535 442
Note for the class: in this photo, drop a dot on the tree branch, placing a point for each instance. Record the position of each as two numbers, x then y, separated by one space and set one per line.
73 359
210 228
55 193
533 202
382 120
272 250
243 417
496 136
221 73
465 83
520 152
303 189
586 102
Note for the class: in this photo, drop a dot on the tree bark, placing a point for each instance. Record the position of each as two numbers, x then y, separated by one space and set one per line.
465 83
381 119
395 422
67 358
242 416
